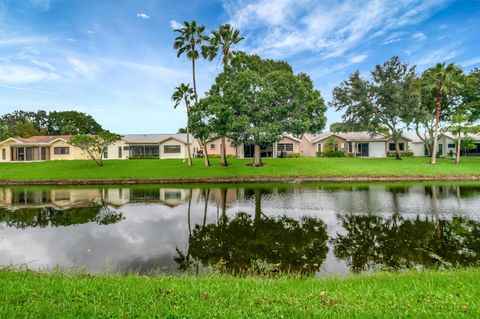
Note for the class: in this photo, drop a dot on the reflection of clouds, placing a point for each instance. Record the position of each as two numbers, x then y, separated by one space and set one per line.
149 234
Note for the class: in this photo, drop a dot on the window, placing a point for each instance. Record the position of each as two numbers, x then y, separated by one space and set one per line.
319 147
213 146
105 153
4 154
285 147
61 150
391 147
169 149
119 152
126 148
451 145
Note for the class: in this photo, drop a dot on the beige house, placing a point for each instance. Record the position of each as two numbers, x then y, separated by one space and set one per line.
214 147
39 148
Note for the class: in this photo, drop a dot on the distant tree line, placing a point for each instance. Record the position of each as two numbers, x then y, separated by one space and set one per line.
27 124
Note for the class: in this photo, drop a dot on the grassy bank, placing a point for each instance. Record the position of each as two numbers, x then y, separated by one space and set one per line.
177 169
448 294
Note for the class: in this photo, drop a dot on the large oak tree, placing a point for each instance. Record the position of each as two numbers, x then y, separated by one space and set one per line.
254 101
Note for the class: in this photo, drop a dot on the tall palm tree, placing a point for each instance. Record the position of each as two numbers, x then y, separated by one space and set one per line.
222 40
184 93
188 41
445 81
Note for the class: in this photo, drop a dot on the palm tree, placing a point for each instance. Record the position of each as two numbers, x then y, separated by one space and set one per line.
190 38
222 40
445 81
184 93
460 126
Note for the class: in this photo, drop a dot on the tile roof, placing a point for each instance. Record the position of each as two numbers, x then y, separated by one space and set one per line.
44 139
154 138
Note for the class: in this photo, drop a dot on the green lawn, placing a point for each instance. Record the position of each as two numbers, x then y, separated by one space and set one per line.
431 294
177 169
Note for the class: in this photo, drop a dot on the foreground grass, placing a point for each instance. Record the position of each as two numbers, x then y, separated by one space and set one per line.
177 169
446 294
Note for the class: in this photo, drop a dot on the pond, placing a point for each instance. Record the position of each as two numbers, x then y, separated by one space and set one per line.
315 229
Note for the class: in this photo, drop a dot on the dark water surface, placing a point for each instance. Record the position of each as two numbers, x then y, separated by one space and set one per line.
312 229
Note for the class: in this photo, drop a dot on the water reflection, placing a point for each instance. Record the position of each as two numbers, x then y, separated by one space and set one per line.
307 229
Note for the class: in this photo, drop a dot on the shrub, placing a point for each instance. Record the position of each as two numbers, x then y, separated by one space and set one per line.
403 154
292 155
332 154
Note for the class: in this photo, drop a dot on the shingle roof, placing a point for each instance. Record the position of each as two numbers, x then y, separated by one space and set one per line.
42 139
154 138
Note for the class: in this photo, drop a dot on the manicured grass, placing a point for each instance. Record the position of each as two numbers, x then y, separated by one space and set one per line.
437 294
177 169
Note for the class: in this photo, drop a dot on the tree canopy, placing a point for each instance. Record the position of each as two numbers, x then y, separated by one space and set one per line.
388 100
254 101
95 145
26 124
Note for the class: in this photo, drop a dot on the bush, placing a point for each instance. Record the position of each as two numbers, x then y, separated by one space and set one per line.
402 154
292 155
332 154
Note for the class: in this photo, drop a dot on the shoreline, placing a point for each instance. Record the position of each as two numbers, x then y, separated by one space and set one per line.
246 179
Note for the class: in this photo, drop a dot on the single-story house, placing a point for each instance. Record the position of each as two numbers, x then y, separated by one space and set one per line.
162 146
39 148
45 148
360 144
446 145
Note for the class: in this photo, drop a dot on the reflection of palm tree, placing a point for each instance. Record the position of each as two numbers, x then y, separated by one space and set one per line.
205 209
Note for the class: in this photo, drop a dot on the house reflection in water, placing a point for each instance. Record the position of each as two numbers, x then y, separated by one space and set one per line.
64 198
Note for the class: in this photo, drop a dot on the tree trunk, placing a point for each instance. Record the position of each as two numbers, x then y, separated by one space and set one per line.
257 159
437 124
193 76
397 151
223 153
188 144
205 155
459 142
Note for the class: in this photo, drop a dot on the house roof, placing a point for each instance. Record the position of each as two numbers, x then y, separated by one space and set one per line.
322 136
412 136
43 139
290 136
154 138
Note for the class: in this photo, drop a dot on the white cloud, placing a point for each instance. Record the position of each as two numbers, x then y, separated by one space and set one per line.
444 54
419 36
279 28
17 74
22 40
175 25
83 69
90 32
393 37
358 58
42 5
470 62
143 16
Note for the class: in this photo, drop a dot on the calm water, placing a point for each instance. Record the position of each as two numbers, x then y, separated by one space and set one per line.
314 229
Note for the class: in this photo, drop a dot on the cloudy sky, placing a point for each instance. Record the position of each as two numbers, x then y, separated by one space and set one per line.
114 58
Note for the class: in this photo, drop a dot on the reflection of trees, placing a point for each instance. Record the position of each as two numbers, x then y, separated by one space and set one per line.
371 241
49 216
298 246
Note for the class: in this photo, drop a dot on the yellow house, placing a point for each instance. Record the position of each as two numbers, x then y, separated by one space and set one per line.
39 148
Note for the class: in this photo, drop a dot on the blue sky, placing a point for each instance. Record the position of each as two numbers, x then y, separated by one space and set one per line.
114 58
